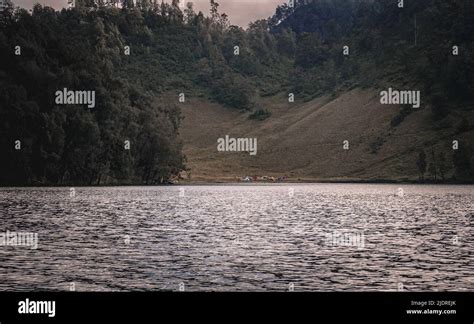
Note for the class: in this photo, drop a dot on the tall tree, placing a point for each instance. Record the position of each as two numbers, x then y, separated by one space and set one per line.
421 164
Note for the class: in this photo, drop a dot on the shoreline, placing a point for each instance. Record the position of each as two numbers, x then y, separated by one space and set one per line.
222 182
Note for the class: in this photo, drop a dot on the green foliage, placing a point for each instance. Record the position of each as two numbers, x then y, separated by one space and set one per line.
463 126
404 112
260 114
463 161
421 164
82 50
442 165
233 92
381 38
376 145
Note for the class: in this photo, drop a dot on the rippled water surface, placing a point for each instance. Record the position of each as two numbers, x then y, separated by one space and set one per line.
248 237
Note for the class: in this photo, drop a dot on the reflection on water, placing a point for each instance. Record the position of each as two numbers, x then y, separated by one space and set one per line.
320 237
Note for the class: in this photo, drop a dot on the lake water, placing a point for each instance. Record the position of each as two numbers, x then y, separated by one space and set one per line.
318 237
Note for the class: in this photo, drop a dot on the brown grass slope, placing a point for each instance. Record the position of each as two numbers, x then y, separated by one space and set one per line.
304 141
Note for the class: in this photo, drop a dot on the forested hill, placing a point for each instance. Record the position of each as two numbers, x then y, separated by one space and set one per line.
409 45
145 60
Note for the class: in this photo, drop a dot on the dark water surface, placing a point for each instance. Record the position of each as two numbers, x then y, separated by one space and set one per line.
318 237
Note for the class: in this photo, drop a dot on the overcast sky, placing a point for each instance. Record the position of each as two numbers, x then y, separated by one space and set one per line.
240 12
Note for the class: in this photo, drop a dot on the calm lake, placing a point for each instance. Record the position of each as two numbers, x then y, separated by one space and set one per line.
316 237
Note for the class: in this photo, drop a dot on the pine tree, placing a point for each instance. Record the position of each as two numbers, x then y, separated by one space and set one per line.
421 164
442 166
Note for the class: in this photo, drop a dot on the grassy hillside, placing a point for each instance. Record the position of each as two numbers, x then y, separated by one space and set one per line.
338 100
304 141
